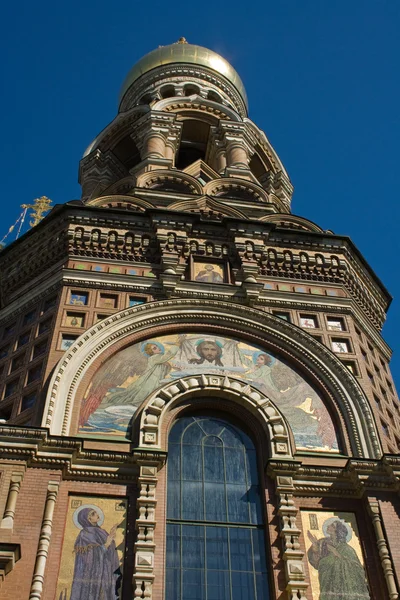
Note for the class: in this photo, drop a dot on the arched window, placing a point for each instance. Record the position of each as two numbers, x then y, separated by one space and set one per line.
215 528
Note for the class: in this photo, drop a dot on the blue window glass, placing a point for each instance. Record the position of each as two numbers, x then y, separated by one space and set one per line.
215 528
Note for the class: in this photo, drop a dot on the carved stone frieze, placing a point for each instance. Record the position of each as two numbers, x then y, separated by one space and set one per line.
262 249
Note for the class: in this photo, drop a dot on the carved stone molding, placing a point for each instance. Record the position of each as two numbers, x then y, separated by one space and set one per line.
155 408
9 555
37 448
181 73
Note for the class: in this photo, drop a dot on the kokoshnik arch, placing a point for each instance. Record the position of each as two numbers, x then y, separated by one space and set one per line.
196 397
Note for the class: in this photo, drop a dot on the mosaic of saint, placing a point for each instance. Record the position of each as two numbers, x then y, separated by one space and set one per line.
121 385
334 555
93 548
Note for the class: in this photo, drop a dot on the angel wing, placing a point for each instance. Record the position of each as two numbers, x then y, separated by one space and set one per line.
187 349
231 355
115 371
283 376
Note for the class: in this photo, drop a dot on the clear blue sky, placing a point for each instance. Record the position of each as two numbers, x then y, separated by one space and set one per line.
322 77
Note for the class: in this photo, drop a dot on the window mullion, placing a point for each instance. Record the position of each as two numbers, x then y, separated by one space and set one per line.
205 561
229 564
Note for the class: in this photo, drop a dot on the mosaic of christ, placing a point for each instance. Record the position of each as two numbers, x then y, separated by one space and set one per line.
121 385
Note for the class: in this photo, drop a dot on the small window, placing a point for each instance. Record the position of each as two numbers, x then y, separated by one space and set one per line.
49 303
335 324
385 428
29 318
371 377
44 326
4 351
214 97
67 341
351 366
28 401
11 388
108 300
135 301
74 319
340 346
318 338
358 332
383 392
39 349
282 315
6 411
190 90
9 330
34 374
17 362
308 321
167 91
377 402
389 385
370 348
364 355
23 339
383 364
79 298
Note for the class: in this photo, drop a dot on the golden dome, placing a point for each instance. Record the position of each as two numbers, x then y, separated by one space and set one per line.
182 52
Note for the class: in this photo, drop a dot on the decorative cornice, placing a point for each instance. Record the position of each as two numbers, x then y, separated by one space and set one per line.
37 448
181 73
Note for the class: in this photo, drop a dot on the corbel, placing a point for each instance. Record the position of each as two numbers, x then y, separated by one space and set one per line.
9 512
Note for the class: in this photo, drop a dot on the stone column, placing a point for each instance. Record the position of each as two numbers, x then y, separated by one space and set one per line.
236 154
145 525
296 584
154 145
220 160
384 554
44 541
9 512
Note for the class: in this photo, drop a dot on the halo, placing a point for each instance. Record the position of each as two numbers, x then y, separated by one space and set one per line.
217 342
142 347
257 354
330 521
94 507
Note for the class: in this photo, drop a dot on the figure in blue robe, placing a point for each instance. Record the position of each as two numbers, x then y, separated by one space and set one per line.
97 572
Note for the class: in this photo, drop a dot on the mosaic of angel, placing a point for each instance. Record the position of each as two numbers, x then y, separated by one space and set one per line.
121 385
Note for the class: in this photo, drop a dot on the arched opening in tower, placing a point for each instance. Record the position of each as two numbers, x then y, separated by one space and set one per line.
193 144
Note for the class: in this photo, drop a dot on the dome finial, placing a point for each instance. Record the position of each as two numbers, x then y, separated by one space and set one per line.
181 40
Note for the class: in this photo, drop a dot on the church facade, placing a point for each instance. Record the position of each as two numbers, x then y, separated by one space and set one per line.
195 401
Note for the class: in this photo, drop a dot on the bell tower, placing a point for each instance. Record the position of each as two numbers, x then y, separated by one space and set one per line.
182 127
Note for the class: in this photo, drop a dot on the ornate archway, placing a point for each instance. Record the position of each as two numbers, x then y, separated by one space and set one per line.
342 390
